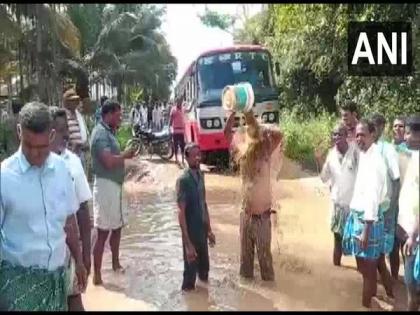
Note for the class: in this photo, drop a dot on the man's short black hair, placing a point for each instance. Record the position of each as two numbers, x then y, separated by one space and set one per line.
378 119
103 100
57 112
413 123
349 106
368 123
189 147
110 106
35 117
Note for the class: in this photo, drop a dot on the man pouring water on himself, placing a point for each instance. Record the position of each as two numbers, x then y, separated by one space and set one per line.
255 166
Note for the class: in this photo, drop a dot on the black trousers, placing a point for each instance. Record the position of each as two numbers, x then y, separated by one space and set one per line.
201 266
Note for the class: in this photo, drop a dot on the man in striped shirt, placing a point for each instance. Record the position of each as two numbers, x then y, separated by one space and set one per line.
78 135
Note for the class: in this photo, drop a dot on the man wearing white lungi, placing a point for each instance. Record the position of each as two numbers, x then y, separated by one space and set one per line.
108 169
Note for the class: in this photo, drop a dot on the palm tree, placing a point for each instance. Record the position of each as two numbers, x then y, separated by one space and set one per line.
130 50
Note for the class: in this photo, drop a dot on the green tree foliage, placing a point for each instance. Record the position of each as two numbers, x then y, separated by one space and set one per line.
46 44
130 50
310 43
212 18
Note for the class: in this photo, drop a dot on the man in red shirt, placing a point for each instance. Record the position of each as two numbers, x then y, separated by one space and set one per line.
177 125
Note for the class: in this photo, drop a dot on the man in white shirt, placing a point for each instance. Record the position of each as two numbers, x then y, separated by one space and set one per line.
410 220
154 117
83 195
37 208
364 230
144 115
340 171
135 115
390 155
408 216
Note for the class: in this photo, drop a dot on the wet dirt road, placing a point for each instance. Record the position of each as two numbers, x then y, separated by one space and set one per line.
301 245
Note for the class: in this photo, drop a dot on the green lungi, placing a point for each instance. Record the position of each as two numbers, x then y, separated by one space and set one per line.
32 289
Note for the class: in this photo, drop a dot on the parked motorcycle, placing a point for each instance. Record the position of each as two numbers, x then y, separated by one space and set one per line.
145 141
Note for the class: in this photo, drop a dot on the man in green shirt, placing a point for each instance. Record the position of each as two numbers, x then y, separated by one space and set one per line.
108 170
194 220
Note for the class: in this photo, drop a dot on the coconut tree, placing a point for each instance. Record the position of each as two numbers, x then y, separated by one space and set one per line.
130 50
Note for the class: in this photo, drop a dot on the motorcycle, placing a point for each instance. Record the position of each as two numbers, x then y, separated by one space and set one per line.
145 141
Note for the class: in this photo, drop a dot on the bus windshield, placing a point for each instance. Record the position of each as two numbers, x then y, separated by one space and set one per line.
217 71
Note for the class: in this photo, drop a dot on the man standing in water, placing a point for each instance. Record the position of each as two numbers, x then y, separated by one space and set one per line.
349 114
83 195
255 218
364 230
108 169
35 227
194 220
340 170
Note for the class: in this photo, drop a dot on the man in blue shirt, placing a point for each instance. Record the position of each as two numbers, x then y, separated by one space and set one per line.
37 208
194 220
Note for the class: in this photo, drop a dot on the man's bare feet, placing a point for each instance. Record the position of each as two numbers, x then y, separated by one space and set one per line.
97 279
118 268
378 304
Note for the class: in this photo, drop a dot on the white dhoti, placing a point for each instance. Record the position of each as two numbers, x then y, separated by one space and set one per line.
109 206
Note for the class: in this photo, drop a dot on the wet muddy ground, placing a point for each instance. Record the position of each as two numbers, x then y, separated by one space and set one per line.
301 245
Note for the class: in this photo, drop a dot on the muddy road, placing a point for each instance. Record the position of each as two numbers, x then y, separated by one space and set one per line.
301 244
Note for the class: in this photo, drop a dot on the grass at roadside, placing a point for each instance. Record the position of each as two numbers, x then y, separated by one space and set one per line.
303 136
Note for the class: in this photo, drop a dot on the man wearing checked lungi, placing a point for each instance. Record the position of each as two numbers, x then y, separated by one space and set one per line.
37 208
83 195
390 155
340 171
364 231
411 247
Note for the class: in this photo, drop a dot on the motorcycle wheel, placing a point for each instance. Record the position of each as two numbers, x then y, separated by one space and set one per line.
166 151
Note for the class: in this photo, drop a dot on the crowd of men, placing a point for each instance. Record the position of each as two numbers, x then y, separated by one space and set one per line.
45 231
374 187
149 116
45 224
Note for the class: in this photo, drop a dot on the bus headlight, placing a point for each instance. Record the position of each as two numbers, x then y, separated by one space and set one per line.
271 117
209 123
216 123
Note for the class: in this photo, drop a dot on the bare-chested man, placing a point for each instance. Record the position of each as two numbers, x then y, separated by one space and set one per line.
255 162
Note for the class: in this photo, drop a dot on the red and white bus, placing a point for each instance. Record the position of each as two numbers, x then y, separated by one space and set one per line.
201 89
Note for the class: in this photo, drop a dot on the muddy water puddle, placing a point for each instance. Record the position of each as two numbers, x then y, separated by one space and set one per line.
301 246
152 252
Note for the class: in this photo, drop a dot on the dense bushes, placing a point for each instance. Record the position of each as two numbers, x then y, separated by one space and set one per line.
304 135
